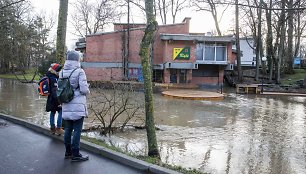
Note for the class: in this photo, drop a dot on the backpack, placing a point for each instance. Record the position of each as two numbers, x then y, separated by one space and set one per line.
65 91
44 86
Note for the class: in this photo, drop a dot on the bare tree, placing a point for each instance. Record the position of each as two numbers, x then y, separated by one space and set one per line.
94 16
176 7
300 20
162 6
10 3
212 6
117 107
269 38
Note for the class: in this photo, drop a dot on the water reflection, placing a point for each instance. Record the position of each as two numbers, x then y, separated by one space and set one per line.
241 134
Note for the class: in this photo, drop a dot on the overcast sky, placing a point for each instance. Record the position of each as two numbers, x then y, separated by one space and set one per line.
200 22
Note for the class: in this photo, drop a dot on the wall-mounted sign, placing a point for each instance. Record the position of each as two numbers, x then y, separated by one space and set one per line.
181 53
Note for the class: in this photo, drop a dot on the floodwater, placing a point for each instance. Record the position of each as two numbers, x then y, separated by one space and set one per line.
240 134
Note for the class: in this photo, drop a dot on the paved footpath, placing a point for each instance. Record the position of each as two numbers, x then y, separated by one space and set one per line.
27 148
24 151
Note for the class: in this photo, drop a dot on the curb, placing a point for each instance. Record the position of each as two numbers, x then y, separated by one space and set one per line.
116 156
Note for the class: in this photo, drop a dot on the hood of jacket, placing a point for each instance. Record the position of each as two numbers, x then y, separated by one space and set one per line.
71 64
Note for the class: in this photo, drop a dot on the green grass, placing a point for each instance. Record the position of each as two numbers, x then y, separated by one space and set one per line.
29 75
148 159
289 79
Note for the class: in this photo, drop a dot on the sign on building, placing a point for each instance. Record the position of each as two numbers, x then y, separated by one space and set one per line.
181 53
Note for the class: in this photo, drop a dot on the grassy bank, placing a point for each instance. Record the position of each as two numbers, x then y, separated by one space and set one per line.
143 158
289 79
28 75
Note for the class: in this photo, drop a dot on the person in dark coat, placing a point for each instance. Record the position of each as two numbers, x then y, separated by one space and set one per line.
53 105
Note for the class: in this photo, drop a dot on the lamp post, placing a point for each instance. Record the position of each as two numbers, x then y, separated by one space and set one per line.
263 60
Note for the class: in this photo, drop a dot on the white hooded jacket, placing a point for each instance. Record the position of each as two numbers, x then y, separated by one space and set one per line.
77 107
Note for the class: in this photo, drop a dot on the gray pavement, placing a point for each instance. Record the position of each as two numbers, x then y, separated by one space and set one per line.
30 149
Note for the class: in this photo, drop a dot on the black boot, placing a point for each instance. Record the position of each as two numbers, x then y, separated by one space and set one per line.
76 156
68 153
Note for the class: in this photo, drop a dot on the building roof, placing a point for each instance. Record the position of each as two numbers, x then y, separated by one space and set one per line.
197 38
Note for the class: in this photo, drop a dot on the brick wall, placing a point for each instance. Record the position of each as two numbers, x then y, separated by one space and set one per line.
119 26
104 48
209 80
103 74
206 80
230 56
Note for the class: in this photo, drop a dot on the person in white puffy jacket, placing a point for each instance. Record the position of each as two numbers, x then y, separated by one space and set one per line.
74 112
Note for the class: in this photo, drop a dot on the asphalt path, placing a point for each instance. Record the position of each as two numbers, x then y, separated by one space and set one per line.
23 151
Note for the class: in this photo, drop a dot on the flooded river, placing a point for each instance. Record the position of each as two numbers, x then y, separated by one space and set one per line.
240 134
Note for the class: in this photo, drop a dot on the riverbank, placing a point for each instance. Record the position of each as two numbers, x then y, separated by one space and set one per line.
290 83
26 76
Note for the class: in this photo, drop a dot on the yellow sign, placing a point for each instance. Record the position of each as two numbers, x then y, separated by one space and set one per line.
181 53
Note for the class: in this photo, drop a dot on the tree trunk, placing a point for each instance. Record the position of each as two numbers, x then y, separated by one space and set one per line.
258 42
282 37
297 37
61 31
145 52
215 17
299 31
238 42
269 41
289 66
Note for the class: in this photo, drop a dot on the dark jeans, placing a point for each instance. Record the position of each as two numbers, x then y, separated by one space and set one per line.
76 127
59 119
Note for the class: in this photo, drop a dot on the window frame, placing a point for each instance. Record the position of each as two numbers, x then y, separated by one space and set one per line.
215 46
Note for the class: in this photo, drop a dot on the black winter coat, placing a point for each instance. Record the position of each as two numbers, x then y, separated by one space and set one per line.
52 102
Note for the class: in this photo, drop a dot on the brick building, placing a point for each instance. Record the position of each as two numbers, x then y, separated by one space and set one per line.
178 56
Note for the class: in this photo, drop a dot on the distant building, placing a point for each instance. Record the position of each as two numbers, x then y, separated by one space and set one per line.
248 54
178 56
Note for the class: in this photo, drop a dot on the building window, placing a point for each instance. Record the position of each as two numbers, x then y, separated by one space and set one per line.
211 52
221 53
199 51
